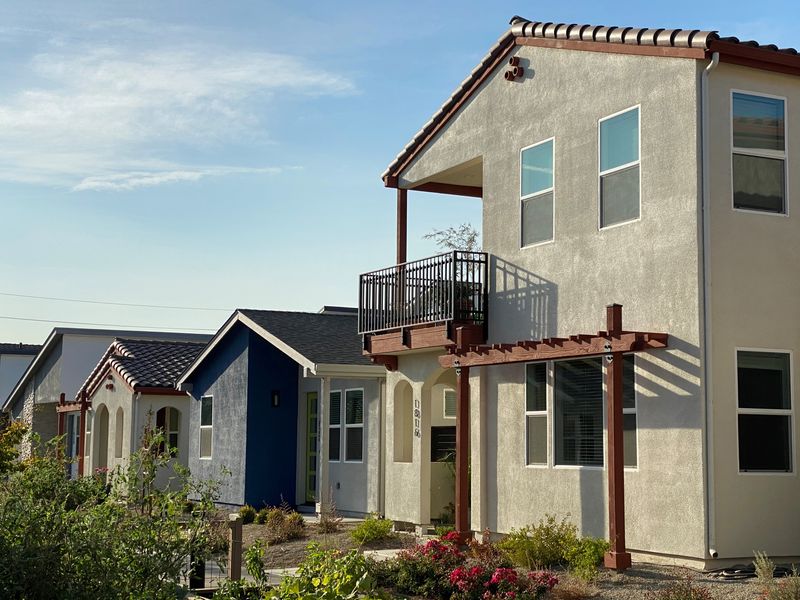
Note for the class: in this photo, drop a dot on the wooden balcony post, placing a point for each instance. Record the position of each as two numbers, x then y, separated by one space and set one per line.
462 451
617 557
402 225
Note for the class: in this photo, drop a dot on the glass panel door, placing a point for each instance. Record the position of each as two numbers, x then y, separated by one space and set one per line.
312 445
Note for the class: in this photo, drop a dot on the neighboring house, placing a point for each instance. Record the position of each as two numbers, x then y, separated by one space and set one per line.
14 359
59 369
269 392
644 167
132 389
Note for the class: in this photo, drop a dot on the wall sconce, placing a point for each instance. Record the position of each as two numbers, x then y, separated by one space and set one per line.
276 398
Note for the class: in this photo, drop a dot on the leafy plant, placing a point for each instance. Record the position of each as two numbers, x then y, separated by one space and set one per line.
788 588
282 523
423 570
682 590
487 554
545 544
248 514
444 529
584 556
462 237
10 438
764 567
84 541
327 575
329 520
372 529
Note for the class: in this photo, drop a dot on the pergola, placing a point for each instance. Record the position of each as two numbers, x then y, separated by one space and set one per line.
611 343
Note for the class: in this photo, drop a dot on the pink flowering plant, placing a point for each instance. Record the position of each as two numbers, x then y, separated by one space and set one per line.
477 583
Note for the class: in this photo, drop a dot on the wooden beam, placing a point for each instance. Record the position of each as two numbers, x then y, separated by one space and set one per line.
388 361
402 225
566 348
617 557
462 452
756 58
449 188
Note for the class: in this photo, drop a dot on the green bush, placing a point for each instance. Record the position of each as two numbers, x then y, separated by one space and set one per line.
683 590
282 523
584 556
327 575
263 516
543 545
81 541
372 529
441 530
248 514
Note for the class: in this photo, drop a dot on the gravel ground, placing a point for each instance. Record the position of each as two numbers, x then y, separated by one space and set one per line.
639 581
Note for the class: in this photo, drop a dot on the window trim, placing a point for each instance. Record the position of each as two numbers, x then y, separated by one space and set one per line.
550 190
202 427
337 427
769 411
628 411
546 413
354 426
600 173
444 404
761 153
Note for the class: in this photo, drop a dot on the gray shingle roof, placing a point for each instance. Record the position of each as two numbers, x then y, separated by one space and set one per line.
321 338
153 363
21 349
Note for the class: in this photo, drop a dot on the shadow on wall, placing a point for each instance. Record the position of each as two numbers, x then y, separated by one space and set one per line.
523 305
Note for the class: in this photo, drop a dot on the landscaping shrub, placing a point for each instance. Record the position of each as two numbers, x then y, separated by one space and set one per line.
683 590
441 530
248 514
372 529
329 519
327 575
584 556
764 567
543 545
77 540
787 588
478 583
487 554
282 523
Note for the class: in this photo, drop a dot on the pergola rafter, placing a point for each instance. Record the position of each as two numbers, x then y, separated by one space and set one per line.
612 343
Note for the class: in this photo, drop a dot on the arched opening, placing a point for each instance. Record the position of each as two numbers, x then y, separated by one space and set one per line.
101 436
403 422
439 400
119 432
168 420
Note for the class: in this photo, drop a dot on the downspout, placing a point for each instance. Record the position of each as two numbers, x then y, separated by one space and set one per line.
381 448
708 448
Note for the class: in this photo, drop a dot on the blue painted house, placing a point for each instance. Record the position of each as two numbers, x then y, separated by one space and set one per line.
284 407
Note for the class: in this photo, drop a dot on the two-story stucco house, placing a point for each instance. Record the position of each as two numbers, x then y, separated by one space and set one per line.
14 359
646 168
256 422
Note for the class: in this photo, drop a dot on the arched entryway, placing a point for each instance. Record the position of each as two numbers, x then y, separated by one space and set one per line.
101 438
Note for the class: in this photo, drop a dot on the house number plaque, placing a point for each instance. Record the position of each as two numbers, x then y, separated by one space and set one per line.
417 414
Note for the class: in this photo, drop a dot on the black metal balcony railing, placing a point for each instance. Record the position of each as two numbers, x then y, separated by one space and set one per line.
442 288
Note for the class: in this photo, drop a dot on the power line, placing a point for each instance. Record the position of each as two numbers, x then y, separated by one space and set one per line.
105 324
84 301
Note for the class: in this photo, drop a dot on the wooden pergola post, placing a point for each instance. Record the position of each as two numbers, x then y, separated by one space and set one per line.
462 451
82 435
617 557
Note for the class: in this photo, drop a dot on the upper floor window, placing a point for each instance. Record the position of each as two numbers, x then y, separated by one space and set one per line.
206 426
764 411
536 193
619 168
759 153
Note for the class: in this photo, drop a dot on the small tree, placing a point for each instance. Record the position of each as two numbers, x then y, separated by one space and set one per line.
462 237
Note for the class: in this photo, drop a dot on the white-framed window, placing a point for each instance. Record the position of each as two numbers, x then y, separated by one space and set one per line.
168 420
764 413
536 413
537 200
619 154
119 432
354 425
206 426
449 404
629 406
335 426
758 152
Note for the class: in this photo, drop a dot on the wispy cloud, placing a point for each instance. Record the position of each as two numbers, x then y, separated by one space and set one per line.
94 110
138 179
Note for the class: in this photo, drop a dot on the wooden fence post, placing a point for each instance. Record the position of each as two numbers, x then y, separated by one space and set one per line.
235 547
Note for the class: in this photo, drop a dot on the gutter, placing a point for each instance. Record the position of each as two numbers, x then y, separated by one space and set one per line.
708 414
335 371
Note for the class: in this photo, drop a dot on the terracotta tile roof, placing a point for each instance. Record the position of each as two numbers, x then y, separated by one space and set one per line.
145 363
695 39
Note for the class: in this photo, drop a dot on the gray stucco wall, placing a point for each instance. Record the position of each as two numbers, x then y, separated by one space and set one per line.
225 378
754 292
651 266
12 366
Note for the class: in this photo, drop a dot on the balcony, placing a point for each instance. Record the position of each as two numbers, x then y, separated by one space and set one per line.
446 290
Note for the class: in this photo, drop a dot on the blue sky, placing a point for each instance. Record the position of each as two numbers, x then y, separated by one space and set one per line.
226 155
